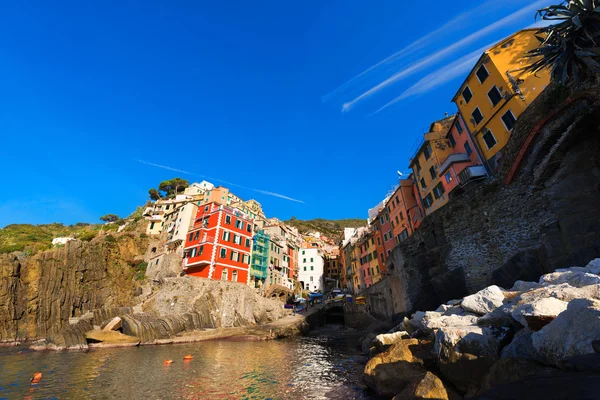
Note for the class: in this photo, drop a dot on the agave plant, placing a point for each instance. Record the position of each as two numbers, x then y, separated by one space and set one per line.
569 48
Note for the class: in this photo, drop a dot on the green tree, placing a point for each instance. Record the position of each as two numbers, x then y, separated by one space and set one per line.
172 186
109 218
570 46
154 194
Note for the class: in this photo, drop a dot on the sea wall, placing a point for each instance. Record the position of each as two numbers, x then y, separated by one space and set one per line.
493 233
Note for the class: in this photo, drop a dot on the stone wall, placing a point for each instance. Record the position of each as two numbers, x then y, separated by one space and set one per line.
548 218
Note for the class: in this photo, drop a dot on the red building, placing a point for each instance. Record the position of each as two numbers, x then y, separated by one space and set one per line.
219 244
464 164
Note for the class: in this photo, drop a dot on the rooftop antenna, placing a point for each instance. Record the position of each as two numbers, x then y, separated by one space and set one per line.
446 114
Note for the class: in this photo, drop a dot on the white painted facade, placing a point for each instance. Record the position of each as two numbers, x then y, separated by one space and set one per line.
198 188
311 263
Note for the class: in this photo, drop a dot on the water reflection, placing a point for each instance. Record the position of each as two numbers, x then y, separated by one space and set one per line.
302 368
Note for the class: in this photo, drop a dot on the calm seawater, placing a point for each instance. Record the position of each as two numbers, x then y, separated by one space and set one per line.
320 366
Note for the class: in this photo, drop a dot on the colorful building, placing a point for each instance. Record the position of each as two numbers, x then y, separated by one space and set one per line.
465 164
259 267
219 245
311 266
497 91
434 149
403 210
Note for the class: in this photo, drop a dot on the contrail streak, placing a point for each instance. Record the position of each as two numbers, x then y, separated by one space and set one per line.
265 192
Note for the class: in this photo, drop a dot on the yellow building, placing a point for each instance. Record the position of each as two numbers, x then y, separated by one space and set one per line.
426 165
497 91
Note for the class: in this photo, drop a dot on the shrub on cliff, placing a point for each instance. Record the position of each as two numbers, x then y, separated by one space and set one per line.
569 47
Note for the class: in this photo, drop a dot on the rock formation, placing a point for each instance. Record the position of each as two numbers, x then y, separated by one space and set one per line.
538 329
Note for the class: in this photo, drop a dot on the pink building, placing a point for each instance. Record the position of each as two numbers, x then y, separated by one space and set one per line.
464 164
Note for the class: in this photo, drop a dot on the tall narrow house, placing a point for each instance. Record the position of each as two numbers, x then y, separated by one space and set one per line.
497 91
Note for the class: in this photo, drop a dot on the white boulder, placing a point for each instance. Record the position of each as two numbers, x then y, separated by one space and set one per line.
522 286
538 312
570 334
574 278
484 301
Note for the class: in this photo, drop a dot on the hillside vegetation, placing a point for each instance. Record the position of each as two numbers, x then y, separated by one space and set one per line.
332 228
36 238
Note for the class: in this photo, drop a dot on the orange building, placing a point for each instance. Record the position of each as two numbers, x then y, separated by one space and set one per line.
219 245
404 211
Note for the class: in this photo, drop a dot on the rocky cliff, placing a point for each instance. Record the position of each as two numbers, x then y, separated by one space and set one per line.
497 233
39 294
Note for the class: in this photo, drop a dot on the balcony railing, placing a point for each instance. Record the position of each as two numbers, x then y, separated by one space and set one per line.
469 173
453 158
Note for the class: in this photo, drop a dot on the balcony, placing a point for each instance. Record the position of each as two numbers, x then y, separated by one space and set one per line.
453 159
187 263
154 218
471 173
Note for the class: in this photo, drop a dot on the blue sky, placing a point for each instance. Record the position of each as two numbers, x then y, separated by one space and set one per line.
317 101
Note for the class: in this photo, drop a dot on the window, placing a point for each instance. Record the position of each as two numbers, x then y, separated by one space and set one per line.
197 234
311 259
372 241
387 217
234 275
401 215
249 228
422 183
247 242
200 250
304 259
224 274
403 235
509 120
223 252
468 148
305 268
206 209
303 252
494 96
382 220
449 177
193 253
459 127
489 139
237 239
234 256
467 94
381 257
312 268
438 190
378 241
397 220
477 116
191 236
427 151
311 278
151 225
417 166
428 201
385 237
451 140
432 172
228 219
482 74
226 236
168 205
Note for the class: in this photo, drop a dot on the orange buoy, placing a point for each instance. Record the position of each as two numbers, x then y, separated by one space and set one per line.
36 377
188 357
168 362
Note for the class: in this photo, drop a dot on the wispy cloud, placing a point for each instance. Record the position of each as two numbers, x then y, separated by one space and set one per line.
440 76
265 192
419 44
438 56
